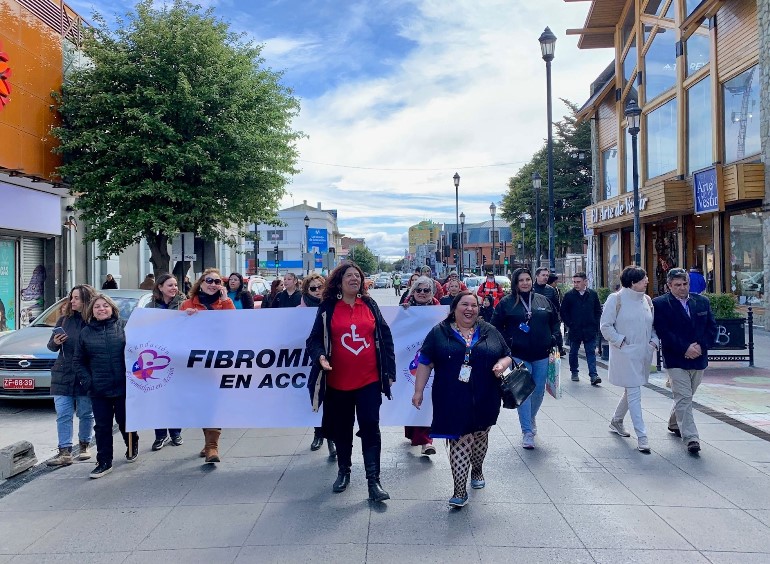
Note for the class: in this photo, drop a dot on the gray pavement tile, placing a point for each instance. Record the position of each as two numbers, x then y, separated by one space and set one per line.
5 558
420 523
418 482
281 432
709 463
721 432
652 464
232 486
47 494
304 523
227 434
320 553
204 526
586 488
507 554
118 530
750 449
761 514
22 528
221 555
675 491
623 527
409 553
314 484
547 448
718 529
738 557
521 525
72 558
265 446
611 445
137 490
637 556
584 414
546 427
746 492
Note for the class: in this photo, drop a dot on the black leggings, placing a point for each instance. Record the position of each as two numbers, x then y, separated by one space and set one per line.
341 409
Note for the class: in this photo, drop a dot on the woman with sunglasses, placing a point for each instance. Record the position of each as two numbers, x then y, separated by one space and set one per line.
421 294
312 290
209 293
354 363
529 324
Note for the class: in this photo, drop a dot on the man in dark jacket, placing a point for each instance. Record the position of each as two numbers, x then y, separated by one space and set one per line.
686 327
580 312
541 286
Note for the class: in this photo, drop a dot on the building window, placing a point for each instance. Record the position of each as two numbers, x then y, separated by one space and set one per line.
670 11
610 173
629 64
741 119
699 128
655 7
747 265
662 139
612 260
660 64
691 5
272 235
698 52
629 23
630 163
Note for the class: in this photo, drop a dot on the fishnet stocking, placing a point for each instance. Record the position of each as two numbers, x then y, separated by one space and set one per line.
460 461
478 453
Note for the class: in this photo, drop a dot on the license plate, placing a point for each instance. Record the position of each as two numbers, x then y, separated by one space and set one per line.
18 383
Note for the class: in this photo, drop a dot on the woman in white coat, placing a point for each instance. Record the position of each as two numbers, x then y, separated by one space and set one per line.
626 323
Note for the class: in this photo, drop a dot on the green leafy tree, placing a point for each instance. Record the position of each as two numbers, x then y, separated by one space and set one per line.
174 126
571 189
364 258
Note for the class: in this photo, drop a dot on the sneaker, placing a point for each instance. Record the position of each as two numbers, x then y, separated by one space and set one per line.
134 453
427 450
160 443
693 447
595 380
676 431
478 484
458 501
176 440
101 469
63 458
643 445
617 427
528 441
575 377
85 452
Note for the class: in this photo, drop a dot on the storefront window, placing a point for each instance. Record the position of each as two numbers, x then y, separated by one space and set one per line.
661 139
746 263
628 23
699 125
741 119
612 260
629 65
665 253
660 64
698 52
610 172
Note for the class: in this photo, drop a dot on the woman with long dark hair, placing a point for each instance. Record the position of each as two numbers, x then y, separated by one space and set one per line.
354 364
529 324
276 287
238 293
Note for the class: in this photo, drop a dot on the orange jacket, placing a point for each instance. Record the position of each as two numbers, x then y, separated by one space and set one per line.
195 303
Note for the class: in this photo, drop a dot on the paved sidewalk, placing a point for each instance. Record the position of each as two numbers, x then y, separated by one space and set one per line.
584 495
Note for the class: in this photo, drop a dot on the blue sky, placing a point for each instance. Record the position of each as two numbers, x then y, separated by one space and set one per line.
397 95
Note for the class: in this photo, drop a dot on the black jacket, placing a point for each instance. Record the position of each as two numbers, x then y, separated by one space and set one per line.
283 299
543 327
64 381
318 344
460 408
677 331
173 304
581 314
549 292
99 358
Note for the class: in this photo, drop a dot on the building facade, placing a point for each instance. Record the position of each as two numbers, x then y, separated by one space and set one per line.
424 233
478 243
696 70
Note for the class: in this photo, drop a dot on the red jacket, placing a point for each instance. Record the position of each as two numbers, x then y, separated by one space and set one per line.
195 303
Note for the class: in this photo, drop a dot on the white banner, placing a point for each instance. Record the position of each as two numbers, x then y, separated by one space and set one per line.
248 368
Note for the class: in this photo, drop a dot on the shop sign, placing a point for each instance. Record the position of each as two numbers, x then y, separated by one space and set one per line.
621 207
5 75
707 191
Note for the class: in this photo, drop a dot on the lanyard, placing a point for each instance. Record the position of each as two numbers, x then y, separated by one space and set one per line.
468 343
528 307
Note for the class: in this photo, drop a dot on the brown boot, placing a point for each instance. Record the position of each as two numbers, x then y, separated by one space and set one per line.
211 450
64 458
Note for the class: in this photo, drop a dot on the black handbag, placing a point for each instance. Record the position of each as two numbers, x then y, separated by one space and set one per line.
516 385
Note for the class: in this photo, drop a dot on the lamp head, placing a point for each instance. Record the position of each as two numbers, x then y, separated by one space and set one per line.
537 181
633 116
547 44
492 209
456 178
462 218
307 221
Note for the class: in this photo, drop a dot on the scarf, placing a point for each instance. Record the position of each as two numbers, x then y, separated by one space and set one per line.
207 300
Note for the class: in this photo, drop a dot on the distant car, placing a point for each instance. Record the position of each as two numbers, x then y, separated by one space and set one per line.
383 281
25 361
405 279
369 281
259 288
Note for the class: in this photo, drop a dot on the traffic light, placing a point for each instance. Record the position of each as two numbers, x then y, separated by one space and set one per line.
455 257
454 241
506 261
483 259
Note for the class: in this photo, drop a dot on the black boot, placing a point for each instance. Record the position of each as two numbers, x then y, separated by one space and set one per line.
342 481
318 439
372 468
332 449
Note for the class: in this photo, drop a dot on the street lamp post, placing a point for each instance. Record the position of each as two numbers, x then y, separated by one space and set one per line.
492 211
256 248
307 244
633 118
523 225
536 184
547 46
462 245
275 252
456 179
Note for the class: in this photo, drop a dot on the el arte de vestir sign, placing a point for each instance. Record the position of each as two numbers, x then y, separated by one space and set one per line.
706 191
620 208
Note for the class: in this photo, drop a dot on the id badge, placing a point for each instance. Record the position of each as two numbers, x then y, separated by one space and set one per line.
524 327
465 373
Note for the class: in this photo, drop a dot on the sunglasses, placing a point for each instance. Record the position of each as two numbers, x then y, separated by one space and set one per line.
314 288
422 290
215 281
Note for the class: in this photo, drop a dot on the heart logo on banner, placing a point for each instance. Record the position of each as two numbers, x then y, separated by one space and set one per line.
354 339
148 362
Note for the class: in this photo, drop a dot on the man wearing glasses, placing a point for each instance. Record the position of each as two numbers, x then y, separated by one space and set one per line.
686 327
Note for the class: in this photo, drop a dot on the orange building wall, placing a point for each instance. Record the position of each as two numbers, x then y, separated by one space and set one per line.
35 57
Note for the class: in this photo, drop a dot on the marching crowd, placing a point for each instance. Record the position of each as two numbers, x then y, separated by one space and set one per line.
484 335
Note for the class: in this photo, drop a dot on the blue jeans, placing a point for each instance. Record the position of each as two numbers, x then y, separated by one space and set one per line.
65 410
590 347
528 410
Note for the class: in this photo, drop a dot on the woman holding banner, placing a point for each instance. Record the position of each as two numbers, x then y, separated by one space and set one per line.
467 356
208 292
354 363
